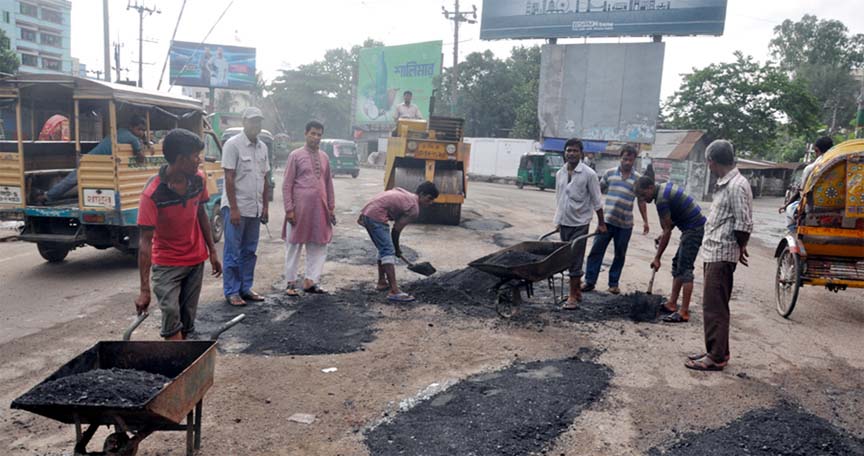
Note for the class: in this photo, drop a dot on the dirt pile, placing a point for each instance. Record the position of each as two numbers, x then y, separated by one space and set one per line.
462 287
516 411
307 325
360 251
783 430
113 387
513 258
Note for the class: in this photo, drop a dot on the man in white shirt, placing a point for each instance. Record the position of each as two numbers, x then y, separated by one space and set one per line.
219 70
577 196
407 110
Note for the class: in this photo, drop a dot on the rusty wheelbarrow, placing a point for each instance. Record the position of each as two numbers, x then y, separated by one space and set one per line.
556 257
188 364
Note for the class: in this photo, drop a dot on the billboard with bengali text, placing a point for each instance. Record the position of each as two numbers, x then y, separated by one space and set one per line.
385 73
212 65
522 19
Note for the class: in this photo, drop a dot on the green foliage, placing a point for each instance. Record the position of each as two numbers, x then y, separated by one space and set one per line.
745 102
8 59
822 54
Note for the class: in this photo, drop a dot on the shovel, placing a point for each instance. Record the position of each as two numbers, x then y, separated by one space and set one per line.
653 271
423 268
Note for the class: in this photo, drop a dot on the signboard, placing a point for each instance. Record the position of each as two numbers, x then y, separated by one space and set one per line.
385 73
600 92
212 65
10 195
520 19
99 198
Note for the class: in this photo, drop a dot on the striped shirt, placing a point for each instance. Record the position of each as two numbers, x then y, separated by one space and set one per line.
620 193
732 210
684 211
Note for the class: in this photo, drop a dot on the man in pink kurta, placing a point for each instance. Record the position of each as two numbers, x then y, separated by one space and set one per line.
310 211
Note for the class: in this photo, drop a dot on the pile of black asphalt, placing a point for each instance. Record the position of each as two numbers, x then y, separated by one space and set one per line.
782 430
519 410
116 388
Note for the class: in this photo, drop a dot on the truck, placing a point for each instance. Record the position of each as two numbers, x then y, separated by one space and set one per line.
433 151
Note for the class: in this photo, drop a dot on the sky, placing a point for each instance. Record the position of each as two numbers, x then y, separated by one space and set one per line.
289 33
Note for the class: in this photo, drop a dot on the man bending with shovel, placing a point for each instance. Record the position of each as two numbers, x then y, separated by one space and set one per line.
401 207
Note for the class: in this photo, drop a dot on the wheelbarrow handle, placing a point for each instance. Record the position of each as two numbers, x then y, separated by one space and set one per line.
138 320
581 238
227 326
548 234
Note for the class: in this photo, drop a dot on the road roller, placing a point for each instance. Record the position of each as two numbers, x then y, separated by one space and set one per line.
430 151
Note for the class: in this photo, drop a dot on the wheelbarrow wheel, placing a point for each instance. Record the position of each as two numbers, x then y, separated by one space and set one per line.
508 302
217 224
788 282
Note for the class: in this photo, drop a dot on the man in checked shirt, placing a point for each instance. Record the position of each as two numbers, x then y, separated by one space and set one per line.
725 244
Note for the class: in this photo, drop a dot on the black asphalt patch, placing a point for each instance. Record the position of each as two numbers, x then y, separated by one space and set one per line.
120 388
307 325
782 430
360 251
485 224
515 411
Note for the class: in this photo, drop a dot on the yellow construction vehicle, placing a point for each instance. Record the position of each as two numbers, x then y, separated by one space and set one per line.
430 151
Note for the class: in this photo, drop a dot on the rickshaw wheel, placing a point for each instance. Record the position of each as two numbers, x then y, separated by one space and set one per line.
788 282
520 185
508 302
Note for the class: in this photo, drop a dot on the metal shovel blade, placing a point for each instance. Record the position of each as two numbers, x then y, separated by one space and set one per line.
424 268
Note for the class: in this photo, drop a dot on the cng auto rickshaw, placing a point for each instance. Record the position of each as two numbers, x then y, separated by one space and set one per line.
102 212
827 245
539 169
342 155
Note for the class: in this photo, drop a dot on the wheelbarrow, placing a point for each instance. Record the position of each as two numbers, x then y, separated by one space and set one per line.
556 258
189 364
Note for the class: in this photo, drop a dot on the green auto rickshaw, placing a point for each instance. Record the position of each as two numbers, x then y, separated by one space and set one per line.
342 155
538 169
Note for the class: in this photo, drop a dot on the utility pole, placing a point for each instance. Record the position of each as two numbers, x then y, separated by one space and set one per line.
141 10
106 41
456 16
117 60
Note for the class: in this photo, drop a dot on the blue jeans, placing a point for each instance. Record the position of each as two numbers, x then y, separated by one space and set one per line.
60 188
238 258
621 238
380 235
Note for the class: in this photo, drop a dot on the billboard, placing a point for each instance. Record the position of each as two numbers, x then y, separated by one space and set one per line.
602 92
212 65
520 19
384 73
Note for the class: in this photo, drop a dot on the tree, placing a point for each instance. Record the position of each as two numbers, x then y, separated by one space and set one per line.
823 54
524 65
8 60
743 101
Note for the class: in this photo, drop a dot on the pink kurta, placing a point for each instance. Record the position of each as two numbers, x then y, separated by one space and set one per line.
310 196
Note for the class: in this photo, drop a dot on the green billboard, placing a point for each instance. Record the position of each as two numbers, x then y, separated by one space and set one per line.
385 73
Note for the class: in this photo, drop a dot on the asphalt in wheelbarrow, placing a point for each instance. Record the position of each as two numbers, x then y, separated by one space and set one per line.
113 388
491 414
781 430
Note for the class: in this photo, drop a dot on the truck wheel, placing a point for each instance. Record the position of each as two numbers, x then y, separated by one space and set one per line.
52 253
520 185
354 174
217 224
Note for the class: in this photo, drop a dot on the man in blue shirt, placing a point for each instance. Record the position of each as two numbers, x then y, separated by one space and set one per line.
132 135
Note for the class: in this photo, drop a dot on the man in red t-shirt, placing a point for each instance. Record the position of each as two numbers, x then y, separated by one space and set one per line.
175 235
401 207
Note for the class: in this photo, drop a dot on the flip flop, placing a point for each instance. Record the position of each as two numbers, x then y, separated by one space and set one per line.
384 288
699 356
401 297
235 300
664 310
570 305
675 317
291 291
314 289
702 364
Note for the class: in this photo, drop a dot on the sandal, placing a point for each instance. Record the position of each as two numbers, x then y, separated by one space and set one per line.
380 288
291 291
700 356
314 289
665 310
235 300
704 363
570 305
401 297
675 317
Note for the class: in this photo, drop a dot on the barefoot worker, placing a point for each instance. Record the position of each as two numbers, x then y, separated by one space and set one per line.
401 207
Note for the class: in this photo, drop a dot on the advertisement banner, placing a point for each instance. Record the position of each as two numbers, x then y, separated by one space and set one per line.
385 73
600 92
212 65
521 19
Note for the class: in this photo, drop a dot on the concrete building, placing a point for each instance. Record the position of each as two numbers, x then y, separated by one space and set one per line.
40 33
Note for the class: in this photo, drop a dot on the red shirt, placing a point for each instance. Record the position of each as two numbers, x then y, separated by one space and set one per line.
177 240
392 205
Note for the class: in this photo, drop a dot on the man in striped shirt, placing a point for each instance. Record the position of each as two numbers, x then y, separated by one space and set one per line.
676 209
620 188
727 233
